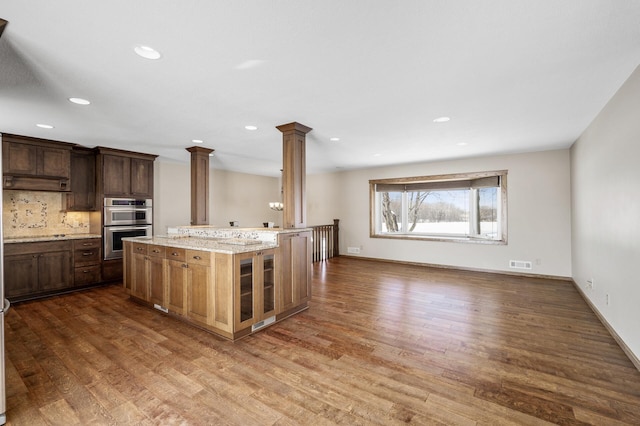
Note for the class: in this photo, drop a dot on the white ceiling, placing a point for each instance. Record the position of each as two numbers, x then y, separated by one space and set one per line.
514 76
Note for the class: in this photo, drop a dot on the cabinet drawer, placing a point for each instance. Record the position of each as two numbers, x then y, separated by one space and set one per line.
86 275
139 248
198 257
89 243
156 251
87 256
173 253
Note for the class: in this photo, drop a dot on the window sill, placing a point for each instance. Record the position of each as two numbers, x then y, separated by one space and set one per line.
439 238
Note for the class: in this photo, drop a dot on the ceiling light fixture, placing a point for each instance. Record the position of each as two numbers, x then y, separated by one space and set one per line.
334 139
45 126
441 119
147 52
79 101
197 140
251 127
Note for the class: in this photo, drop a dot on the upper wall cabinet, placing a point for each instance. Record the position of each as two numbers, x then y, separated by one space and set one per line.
125 173
35 164
83 180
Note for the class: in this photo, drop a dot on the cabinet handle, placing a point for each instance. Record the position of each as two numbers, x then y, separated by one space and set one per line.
155 251
175 253
87 253
139 248
184 265
197 257
63 184
87 244
86 271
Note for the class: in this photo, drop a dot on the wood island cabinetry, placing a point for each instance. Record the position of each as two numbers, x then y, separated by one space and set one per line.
254 287
295 252
229 294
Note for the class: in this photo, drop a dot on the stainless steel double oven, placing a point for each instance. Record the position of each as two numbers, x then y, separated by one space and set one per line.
125 217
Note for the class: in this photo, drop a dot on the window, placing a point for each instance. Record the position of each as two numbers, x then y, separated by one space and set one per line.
460 207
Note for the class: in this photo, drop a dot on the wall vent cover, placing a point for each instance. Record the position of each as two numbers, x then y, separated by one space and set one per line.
520 264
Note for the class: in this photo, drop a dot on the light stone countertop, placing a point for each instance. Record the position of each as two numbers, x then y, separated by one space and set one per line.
216 245
56 237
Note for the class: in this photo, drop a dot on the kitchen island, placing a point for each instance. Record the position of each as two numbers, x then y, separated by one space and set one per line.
229 281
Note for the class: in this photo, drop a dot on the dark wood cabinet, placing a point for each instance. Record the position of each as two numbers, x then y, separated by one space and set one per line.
32 269
86 261
83 180
35 164
126 174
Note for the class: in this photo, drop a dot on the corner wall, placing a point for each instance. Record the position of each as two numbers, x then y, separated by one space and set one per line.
539 216
605 183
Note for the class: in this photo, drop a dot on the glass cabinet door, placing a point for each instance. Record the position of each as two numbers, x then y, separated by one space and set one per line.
269 276
246 289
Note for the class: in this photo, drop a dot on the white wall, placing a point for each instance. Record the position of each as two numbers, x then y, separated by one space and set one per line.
606 212
243 197
232 196
539 213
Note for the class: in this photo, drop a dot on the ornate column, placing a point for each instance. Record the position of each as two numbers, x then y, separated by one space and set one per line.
199 185
294 213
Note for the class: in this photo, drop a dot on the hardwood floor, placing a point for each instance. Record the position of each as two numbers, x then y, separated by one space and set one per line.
380 344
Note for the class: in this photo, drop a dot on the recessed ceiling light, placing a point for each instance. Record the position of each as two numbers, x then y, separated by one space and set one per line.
250 127
197 140
147 52
334 139
45 126
441 119
79 101
462 144
377 155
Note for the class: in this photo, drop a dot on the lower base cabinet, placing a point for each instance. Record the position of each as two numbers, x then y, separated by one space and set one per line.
230 295
34 269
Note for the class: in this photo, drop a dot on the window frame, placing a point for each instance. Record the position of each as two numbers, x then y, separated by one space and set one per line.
448 180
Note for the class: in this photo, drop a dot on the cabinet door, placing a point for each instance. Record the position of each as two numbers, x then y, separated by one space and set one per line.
141 178
55 270
267 302
199 304
53 162
19 158
175 278
245 290
139 276
83 181
295 273
116 175
20 275
156 280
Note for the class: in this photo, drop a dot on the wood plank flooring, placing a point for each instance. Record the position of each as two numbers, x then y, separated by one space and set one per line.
380 344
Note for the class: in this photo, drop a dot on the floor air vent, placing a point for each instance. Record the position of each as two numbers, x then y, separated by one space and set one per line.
520 264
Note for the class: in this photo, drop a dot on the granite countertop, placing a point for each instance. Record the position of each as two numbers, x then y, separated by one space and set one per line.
56 237
217 245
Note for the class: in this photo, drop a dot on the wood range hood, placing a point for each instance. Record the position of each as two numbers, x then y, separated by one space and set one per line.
294 212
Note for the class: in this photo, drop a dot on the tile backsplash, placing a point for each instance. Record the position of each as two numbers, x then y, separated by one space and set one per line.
34 213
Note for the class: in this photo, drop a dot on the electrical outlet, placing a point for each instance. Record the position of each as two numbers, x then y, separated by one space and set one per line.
590 283
608 299
353 250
